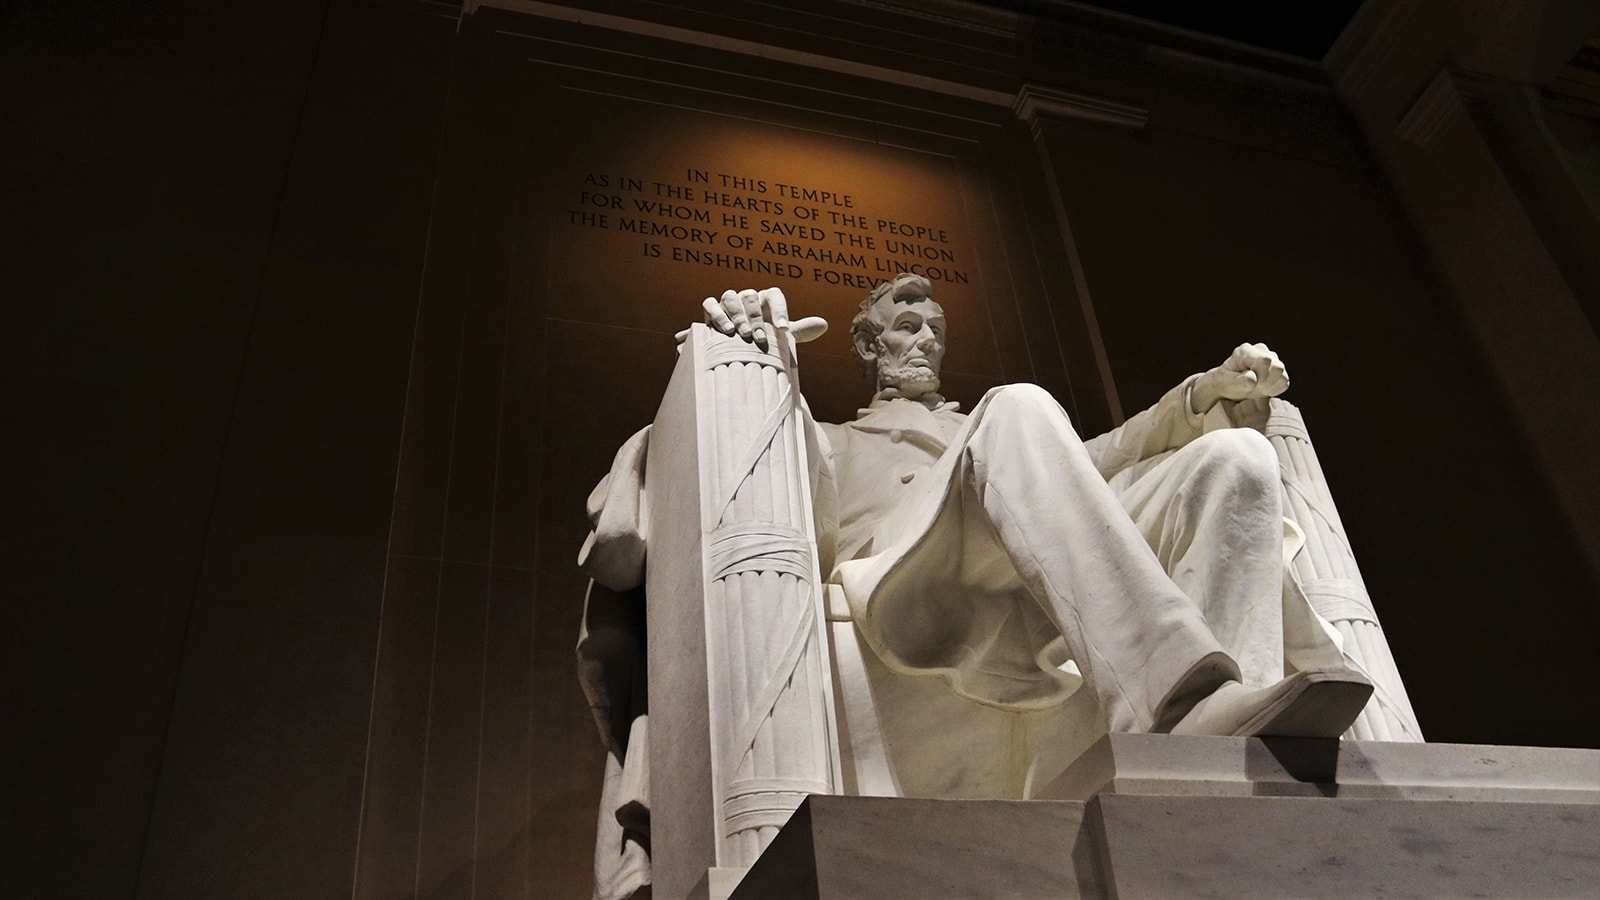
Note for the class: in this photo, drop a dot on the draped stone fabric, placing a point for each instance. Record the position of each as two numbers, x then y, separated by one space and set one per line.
993 549
1018 562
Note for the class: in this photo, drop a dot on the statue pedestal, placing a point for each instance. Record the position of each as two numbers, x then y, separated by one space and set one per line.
1165 816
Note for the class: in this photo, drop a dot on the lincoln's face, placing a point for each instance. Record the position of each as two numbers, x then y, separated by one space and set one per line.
910 347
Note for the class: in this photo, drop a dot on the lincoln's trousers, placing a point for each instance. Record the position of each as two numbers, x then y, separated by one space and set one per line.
1164 582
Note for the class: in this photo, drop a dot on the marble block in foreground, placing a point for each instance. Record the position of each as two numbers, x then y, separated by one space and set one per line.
1306 767
1160 816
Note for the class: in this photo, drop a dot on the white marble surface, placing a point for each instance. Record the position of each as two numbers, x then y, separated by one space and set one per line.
888 849
998 551
1217 766
684 816
911 736
946 535
1278 847
719 883
735 604
1218 817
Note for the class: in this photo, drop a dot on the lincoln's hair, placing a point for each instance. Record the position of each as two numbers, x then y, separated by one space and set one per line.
864 329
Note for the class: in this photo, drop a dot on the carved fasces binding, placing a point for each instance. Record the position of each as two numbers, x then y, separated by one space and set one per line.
1326 571
765 675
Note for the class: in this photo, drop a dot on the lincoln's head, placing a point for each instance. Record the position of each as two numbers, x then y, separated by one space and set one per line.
899 338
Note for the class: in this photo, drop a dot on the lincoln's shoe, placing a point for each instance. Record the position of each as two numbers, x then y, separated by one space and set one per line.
1315 703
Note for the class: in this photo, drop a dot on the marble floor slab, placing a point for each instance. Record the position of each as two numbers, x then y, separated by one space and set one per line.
1157 816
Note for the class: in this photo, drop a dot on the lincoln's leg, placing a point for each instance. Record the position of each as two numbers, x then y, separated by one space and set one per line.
1141 644
1212 512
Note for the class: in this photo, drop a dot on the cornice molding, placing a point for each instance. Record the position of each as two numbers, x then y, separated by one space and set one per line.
1436 108
1165 44
1446 99
1312 82
959 13
1364 53
1036 103
757 49
1166 35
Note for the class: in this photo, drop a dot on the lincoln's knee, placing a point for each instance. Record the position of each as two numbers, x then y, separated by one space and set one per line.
1024 404
1241 458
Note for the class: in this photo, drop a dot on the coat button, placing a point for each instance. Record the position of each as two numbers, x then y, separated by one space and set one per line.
906 478
897 435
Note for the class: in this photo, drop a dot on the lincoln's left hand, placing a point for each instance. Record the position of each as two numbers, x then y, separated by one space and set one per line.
1253 371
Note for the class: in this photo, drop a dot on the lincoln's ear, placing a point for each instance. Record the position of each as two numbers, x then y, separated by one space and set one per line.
866 345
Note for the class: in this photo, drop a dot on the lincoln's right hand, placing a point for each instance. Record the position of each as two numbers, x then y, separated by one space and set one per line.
755 316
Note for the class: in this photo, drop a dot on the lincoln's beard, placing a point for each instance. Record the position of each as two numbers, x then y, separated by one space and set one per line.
906 381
